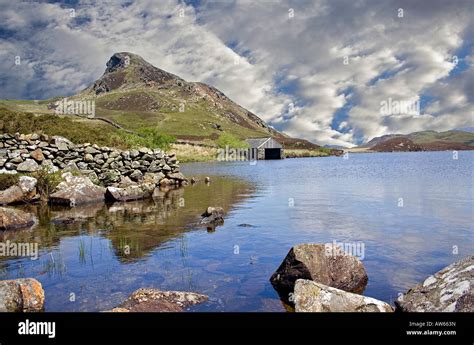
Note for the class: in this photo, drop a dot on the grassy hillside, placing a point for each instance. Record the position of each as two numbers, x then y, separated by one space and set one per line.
424 137
427 140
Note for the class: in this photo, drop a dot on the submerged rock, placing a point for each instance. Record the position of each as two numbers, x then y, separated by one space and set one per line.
153 300
310 296
23 191
213 216
75 190
21 295
11 218
449 290
323 263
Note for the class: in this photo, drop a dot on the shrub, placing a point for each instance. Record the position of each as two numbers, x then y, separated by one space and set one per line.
156 139
148 136
227 139
47 181
8 180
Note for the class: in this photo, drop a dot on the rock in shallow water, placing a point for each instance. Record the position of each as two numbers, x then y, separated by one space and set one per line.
21 295
134 192
323 263
449 290
75 190
153 300
23 191
213 215
310 296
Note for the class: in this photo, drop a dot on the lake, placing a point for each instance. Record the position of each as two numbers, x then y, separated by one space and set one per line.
413 213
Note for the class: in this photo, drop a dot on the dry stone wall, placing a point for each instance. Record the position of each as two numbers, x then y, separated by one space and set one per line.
20 153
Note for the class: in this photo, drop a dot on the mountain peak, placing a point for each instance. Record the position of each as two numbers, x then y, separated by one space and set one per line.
118 61
126 70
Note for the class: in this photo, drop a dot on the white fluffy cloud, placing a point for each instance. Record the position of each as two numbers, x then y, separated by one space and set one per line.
283 60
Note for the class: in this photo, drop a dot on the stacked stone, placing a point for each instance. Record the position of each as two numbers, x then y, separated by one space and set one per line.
21 153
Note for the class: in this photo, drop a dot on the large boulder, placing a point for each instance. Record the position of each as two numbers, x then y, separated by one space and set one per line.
11 218
133 192
23 191
153 300
75 190
21 295
327 264
449 290
310 296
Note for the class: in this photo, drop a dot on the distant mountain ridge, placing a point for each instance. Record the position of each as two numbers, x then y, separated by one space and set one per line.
423 141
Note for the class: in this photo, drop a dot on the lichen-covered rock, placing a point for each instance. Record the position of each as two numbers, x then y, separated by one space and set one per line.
37 155
11 218
153 300
21 295
323 263
75 190
449 290
310 296
23 191
28 166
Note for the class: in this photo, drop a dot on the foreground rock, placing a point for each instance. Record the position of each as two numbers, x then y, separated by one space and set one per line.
75 190
449 290
21 295
153 300
310 296
133 192
213 216
23 191
11 218
323 263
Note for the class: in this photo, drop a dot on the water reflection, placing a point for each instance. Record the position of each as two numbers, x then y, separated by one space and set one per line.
90 244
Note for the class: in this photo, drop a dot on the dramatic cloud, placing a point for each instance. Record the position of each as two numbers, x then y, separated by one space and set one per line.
315 69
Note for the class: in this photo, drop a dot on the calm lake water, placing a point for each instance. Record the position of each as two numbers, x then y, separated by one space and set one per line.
412 211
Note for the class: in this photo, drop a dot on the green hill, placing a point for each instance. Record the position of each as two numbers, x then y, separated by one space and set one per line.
426 140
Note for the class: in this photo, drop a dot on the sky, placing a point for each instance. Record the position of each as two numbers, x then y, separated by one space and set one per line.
319 70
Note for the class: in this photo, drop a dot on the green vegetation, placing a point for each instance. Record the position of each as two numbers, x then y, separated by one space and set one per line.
229 140
78 132
194 153
81 131
82 251
8 180
424 137
321 152
46 181
147 136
